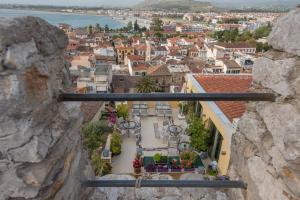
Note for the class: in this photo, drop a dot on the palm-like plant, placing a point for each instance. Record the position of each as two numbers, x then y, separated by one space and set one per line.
146 85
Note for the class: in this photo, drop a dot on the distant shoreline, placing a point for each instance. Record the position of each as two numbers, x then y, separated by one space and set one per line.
12 12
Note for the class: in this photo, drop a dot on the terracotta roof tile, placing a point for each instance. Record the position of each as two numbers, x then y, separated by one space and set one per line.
227 84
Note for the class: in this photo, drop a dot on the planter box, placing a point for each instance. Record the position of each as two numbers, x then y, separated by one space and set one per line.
162 169
176 170
189 169
150 171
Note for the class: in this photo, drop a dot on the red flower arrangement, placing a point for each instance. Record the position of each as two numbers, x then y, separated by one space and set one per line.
136 163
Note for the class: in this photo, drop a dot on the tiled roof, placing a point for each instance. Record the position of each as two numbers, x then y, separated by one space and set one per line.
123 83
235 45
227 84
135 57
161 70
140 67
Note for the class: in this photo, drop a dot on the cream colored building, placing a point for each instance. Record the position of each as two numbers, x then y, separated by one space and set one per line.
219 117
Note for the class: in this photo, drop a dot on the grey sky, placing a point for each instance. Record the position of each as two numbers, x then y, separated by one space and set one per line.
75 2
128 3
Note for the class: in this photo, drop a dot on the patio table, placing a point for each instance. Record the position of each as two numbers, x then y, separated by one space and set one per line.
129 125
174 130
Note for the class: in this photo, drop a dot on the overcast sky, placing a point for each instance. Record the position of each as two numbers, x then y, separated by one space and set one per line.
128 3
75 2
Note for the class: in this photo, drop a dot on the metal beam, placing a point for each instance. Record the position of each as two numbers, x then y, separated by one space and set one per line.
166 183
168 97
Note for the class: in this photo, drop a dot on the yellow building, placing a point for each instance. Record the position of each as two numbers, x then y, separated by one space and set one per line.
123 52
219 117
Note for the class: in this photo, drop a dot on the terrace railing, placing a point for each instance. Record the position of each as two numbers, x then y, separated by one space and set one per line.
167 97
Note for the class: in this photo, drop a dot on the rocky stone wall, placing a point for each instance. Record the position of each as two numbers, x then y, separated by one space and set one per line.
41 154
158 193
266 148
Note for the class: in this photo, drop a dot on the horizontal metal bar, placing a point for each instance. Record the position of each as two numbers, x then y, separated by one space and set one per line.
166 183
168 97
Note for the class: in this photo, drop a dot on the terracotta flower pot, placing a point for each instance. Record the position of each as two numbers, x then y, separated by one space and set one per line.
137 170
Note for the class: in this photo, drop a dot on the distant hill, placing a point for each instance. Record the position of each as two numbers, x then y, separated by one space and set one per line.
175 5
254 4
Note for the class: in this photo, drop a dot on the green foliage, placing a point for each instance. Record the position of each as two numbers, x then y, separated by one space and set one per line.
106 28
157 157
199 135
230 21
130 26
158 35
188 155
156 24
262 47
183 108
115 145
122 110
94 134
146 85
136 27
106 169
96 163
118 36
263 31
90 30
212 172
98 27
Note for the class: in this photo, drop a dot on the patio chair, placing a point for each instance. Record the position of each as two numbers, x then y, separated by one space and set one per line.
123 132
144 112
136 112
138 130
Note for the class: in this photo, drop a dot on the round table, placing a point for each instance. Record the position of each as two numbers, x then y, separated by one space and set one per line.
129 125
174 130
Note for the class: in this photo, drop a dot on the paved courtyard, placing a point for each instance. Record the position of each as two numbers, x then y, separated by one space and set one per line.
122 164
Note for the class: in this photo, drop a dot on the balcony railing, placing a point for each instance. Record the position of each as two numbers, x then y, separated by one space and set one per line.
167 97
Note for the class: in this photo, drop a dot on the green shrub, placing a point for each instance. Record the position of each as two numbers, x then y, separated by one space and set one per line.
115 145
157 157
96 163
106 169
199 135
188 155
122 110
94 134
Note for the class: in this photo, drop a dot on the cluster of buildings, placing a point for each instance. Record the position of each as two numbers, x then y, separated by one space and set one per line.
193 63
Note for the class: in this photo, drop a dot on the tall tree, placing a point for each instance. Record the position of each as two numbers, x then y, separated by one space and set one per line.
90 30
106 28
98 27
146 85
129 26
136 26
156 24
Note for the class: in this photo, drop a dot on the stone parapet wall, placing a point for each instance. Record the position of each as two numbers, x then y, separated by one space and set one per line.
266 147
41 154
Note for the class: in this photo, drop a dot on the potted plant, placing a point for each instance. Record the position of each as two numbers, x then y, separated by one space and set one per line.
150 167
160 159
187 159
137 164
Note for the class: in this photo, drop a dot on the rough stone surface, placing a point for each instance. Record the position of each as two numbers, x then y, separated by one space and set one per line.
157 193
41 154
266 147
285 35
